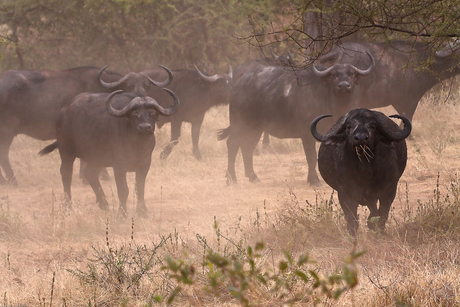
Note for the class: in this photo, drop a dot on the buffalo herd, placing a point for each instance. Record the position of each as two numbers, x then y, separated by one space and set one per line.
108 120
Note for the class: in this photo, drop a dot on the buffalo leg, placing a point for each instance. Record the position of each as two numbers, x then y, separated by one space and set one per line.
350 209
233 145
247 150
122 190
196 128
5 143
92 175
175 134
140 190
104 173
385 206
66 174
309 148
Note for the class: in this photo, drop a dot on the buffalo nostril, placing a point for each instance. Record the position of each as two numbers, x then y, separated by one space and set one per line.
343 86
144 127
361 137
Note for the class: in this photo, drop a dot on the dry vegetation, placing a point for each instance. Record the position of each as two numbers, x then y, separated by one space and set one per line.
50 256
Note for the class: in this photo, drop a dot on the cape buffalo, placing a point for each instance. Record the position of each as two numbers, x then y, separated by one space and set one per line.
198 93
270 99
109 130
362 157
285 60
30 102
403 73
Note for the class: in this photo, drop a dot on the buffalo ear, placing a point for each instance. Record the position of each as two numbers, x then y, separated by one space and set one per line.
335 140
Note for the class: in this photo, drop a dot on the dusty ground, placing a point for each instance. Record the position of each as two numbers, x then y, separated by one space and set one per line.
183 196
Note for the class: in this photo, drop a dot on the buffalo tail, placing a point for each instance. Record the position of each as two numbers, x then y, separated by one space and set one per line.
223 134
48 149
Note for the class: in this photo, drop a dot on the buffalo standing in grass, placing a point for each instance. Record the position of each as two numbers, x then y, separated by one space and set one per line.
109 130
270 99
362 157
403 73
198 93
30 102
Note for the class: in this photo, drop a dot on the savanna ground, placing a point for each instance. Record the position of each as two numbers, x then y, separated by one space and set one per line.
50 256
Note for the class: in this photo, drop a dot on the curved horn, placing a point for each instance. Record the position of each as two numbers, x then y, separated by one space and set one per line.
400 135
207 78
152 103
275 57
367 71
118 113
313 130
110 84
164 83
230 72
322 73
291 58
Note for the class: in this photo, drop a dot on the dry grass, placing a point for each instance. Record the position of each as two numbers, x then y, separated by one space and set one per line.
416 263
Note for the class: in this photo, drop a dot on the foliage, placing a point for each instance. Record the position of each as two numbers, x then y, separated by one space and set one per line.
247 274
124 34
315 26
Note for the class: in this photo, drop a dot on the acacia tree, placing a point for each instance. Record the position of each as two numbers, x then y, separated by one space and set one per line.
315 26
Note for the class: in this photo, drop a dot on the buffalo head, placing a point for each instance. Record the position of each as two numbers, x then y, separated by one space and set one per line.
343 76
284 59
361 130
142 111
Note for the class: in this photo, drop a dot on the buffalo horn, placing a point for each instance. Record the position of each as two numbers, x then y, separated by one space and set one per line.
152 103
313 130
207 78
230 72
400 135
275 57
118 113
322 73
110 84
164 83
448 50
326 72
367 71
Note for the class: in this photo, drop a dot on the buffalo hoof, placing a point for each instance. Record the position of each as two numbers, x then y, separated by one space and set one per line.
230 179
164 155
122 214
142 212
253 178
13 181
315 183
198 156
105 175
103 205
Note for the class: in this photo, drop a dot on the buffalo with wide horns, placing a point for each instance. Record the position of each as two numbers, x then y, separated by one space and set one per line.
283 102
30 101
109 130
362 157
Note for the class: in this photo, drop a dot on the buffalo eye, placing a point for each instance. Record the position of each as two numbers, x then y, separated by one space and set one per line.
349 127
136 114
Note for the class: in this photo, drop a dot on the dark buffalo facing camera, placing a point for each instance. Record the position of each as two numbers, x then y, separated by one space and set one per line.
362 157
109 130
